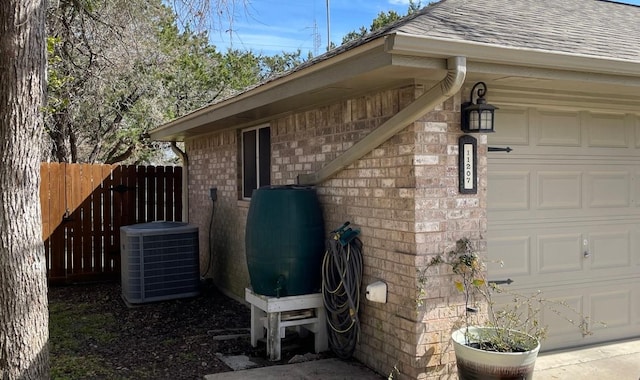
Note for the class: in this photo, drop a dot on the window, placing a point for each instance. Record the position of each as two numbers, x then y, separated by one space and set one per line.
256 159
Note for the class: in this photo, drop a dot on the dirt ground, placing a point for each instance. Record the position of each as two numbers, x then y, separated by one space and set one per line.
94 335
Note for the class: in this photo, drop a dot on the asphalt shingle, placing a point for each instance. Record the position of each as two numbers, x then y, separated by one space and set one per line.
586 27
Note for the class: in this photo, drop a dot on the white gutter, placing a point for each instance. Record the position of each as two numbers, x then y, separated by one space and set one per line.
419 45
443 90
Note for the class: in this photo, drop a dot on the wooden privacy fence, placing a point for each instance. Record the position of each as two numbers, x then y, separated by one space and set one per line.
84 206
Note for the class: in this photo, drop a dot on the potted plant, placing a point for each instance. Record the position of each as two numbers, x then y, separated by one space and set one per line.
495 343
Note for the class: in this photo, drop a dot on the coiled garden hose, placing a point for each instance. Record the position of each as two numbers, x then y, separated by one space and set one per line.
341 283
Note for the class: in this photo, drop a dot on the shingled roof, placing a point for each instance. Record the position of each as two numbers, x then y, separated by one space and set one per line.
587 27
595 28
594 41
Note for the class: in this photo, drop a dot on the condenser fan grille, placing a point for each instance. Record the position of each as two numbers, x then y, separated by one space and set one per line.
159 261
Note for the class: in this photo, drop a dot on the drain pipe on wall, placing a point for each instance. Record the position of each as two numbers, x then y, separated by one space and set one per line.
443 90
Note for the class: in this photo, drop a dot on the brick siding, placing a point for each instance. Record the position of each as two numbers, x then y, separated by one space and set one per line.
403 196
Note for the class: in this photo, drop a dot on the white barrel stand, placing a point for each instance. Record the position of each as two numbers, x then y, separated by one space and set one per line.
267 314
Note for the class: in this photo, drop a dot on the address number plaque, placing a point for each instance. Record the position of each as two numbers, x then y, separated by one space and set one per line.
467 164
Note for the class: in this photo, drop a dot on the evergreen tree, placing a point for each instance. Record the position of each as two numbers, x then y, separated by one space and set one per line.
383 19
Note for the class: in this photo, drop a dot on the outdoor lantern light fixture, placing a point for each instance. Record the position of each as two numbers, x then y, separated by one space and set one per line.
477 117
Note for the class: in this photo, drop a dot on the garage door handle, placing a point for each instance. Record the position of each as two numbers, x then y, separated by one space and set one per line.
501 282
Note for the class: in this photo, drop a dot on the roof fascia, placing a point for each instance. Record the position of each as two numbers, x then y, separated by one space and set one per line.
410 44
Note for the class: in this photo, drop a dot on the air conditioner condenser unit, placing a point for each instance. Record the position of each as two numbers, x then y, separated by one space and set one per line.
159 261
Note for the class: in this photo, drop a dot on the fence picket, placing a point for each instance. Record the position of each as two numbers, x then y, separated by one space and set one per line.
159 207
141 186
84 222
169 186
151 194
57 230
83 207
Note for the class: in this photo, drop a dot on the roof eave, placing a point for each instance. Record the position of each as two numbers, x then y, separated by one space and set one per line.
410 44
307 80
250 106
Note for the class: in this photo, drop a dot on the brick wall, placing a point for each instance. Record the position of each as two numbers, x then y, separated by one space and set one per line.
213 162
403 196
442 217
374 195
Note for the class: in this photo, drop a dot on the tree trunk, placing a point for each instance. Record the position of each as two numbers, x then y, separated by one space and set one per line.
23 286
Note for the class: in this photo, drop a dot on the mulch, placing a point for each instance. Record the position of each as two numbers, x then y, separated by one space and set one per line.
174 339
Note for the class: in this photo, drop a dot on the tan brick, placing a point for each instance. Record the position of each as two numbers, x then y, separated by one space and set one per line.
407 213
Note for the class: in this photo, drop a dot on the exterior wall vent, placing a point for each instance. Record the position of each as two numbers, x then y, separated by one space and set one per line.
160 261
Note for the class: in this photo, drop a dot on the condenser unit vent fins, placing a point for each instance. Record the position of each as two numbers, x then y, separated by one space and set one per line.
159 261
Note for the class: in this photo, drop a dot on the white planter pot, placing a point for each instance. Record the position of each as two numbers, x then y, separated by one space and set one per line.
479 364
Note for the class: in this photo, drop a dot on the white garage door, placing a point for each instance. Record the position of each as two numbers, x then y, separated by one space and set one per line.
564 216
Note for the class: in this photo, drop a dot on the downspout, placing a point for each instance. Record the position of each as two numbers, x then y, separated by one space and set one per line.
443 90
185 180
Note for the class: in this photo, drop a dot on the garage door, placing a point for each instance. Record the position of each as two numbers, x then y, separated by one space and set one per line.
564 216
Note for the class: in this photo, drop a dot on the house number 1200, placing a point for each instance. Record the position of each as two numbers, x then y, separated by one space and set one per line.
468 177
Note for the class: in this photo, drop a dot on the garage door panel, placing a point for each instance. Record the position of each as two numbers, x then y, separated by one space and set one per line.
511 190
558 129
533 256
607 131
513 257
558 312
517 132
609 189
560 253
610 249
559 190
538 252
561 314
569 191
610 309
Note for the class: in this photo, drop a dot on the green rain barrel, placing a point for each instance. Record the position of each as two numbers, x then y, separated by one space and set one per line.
285 241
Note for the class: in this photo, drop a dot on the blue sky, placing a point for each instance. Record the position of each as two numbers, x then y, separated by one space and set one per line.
273 26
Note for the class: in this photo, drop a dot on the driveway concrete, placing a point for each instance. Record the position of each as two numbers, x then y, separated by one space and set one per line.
616 361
